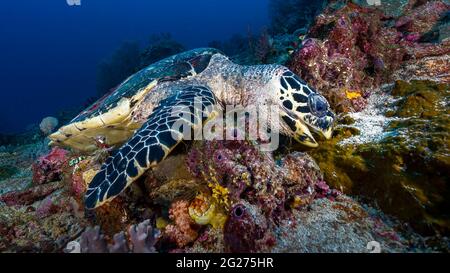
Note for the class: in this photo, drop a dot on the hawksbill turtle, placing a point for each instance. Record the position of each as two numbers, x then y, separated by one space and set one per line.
139 116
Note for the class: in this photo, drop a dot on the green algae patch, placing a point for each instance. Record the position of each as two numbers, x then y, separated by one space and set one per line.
406 172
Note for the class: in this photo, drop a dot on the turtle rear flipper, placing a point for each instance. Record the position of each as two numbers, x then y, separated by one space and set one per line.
116 125
152 143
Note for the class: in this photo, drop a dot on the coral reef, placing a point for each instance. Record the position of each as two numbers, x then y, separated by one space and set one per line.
113 217
36 217
202 195
15 165
260 191
250 174
429 68
31 136
315 230
352 50
7 171
48 168
422 19
301 177
325 226
22 230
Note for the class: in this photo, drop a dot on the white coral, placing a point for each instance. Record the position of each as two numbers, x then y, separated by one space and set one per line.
48 125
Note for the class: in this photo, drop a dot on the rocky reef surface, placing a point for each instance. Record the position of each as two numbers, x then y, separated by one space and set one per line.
388 77
382 179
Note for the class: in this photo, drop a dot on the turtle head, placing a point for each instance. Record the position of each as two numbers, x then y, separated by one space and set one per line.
303 109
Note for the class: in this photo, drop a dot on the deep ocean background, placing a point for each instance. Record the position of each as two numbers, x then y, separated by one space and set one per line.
50 51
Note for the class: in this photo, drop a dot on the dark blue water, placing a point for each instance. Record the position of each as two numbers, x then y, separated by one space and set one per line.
49 51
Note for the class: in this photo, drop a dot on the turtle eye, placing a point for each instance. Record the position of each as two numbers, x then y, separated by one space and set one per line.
318 105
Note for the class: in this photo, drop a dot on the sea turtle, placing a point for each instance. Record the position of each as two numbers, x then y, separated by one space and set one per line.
141 112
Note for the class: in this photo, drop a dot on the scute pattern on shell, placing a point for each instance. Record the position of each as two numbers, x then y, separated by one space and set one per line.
166 68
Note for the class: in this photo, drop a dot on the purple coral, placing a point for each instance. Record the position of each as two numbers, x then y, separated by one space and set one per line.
143 238
92 241
119 244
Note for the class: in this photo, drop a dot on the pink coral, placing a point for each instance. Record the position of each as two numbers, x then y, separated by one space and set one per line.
337 55
48 168
77 185
324 191
182 231
233 164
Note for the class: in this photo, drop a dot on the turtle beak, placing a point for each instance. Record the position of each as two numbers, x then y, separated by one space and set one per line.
328 134
324 126
301 132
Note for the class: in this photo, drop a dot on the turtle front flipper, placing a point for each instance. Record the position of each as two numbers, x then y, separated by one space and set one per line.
164 130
